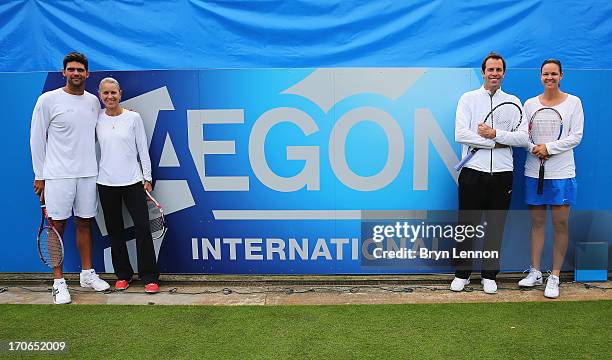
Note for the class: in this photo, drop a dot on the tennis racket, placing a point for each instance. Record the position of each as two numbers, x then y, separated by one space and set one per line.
501 117
156 217
545 126
49 241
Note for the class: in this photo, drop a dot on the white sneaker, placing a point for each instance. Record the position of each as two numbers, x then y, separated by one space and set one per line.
60 292
532 279
489 286
458 284
89 279
552 287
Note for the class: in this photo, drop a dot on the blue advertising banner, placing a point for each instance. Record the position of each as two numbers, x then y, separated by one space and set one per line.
276 171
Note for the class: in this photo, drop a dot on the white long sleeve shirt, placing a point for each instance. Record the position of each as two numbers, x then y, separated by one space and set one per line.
472 109
62 135
561 163
122 142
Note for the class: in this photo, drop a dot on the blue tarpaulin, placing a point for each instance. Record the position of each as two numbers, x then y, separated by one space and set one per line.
180 34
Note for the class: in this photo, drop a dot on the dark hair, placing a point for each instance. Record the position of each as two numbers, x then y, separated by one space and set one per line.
76 57
493 55
552 61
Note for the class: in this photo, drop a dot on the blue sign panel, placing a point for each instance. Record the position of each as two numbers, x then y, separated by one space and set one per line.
275 171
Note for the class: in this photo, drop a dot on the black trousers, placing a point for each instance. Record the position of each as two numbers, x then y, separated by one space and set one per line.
483 197
111 198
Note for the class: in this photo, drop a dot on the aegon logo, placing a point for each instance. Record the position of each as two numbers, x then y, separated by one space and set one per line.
316 87
325 88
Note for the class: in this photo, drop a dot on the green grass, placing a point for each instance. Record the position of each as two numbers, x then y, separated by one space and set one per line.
548 330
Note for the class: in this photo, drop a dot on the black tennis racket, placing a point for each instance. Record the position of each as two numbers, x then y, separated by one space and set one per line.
501 117
49 241
156 217
546 125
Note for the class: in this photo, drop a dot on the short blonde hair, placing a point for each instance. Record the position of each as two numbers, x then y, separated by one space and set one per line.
109 80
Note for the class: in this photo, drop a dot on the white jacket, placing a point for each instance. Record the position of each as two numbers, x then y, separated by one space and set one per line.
472 109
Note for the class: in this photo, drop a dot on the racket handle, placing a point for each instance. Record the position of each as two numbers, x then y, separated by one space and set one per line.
464 161
541 180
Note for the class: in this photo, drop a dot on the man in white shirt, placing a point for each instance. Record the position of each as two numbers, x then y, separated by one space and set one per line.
62 141
485 182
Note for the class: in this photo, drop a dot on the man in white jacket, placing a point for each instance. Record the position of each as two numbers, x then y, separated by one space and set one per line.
485 182
62 141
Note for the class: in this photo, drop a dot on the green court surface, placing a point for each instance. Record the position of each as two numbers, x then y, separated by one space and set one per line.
532 330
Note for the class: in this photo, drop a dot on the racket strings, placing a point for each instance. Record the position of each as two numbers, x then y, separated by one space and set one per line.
545 127
505 118
51 248
157 224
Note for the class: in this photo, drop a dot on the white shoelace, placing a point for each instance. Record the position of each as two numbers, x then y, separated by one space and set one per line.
532 273
554 281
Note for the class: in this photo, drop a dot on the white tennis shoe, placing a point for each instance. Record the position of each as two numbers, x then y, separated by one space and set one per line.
459 284
532 279
489 286
89 279
552 287
60 292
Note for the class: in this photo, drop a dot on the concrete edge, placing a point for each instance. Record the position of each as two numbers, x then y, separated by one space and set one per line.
265 280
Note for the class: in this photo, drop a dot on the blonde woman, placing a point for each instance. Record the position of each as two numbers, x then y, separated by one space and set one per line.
122 178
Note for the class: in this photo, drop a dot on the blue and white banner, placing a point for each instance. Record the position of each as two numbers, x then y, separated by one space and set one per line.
274 171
